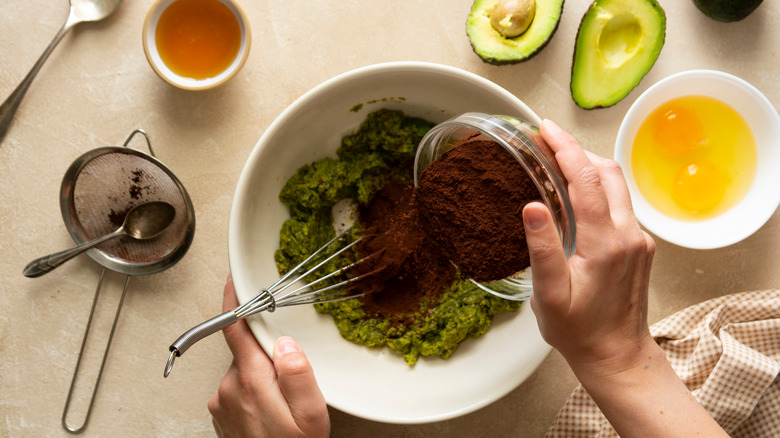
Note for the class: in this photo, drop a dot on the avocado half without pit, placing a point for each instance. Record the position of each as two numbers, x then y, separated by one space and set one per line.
617 43
511 31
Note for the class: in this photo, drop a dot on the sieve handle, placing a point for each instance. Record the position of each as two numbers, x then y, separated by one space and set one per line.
197 333
48 263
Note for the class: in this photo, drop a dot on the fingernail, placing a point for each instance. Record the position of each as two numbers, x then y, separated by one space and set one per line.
552 126
534 219
287 344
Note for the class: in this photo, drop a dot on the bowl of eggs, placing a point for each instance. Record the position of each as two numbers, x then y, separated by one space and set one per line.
700 151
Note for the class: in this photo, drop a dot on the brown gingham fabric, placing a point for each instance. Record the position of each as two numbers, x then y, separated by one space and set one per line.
726 350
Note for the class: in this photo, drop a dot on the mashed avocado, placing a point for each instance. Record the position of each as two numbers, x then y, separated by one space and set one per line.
382 150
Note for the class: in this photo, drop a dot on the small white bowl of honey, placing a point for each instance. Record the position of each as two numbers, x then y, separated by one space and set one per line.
700 151
196 44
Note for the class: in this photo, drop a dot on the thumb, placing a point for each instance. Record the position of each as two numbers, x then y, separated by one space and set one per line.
297 382
549 267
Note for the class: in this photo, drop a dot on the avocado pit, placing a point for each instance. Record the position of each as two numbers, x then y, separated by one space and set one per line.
511 18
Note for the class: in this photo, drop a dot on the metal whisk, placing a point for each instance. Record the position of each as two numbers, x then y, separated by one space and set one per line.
280 294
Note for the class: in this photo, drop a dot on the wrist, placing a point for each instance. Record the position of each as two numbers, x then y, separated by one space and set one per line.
612 360
641 395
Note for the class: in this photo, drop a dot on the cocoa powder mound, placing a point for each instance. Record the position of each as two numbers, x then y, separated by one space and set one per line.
470 203
407 266
467 210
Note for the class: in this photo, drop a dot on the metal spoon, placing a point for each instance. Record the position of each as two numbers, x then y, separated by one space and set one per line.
80 11
142 222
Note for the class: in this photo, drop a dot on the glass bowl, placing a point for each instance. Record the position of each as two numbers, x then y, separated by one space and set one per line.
523 141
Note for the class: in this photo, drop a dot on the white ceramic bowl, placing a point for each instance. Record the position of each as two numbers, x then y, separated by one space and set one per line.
186 83
373 383
762 199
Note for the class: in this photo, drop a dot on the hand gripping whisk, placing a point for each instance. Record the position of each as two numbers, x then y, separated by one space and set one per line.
279 294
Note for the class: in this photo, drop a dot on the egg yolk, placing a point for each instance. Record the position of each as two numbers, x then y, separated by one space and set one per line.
678 132
694 157
698 187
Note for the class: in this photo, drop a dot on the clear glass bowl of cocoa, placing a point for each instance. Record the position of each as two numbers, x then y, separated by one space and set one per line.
473 175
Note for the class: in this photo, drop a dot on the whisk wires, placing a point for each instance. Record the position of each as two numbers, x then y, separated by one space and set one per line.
282 293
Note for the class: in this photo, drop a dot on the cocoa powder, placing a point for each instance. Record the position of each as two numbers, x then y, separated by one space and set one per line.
140 186
467 210
408 266
471 201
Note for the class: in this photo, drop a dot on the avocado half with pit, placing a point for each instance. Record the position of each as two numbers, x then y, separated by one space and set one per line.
617 43
511 31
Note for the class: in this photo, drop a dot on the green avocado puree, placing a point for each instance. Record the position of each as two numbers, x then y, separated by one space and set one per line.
380 151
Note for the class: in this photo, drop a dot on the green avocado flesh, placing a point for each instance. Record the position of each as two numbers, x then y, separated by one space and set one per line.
617 43
727 10
494 48
380 151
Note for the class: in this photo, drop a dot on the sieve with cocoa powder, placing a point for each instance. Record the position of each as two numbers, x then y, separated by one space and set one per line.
97 191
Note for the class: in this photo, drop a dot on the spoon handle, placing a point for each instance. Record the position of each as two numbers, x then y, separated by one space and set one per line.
48 263
11 104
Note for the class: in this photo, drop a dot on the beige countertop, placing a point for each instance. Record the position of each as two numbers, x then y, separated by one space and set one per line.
97 87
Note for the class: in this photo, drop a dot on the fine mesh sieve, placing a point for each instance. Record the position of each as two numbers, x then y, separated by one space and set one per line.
97 192
100 188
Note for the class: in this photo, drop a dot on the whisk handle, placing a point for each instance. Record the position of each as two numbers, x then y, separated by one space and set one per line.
197 333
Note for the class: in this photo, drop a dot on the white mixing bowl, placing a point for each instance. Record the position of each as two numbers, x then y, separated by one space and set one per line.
373 383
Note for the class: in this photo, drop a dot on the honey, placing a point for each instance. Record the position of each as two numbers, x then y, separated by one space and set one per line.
694 157
198 39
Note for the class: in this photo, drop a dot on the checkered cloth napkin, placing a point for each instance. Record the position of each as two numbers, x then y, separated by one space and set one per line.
726 350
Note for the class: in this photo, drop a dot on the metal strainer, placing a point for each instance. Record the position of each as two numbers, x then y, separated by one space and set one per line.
97 191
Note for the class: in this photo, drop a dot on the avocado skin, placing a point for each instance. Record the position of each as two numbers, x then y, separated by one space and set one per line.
494 61
591 9
507 61
727 11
